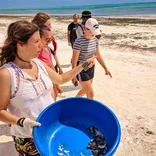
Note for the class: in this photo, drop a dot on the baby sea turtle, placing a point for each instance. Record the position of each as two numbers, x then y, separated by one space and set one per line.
92 129
97 144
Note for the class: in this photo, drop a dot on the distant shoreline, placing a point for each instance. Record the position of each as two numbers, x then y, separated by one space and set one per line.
143 16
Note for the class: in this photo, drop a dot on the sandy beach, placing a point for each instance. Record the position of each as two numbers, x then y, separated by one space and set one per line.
128 46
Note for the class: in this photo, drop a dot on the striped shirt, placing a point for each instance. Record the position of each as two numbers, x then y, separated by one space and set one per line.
87 47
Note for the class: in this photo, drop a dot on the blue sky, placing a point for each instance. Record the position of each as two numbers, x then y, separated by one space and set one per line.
50 3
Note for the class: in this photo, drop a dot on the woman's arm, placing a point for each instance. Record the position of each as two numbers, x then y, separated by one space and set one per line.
63 78
5 85
5 116
101 61
67 76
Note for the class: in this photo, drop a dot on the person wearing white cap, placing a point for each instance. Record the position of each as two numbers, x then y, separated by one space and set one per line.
80 29
93 26
85 47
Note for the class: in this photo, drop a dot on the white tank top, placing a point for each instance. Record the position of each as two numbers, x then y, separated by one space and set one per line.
28 96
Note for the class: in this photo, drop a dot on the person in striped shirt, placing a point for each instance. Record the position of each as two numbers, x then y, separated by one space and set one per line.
85 47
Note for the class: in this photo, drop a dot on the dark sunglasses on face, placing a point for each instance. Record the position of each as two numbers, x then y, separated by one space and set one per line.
48 40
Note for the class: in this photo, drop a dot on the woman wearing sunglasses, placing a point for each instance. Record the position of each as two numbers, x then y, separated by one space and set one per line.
85 47
50 49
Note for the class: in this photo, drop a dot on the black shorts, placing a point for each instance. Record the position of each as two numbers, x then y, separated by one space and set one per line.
86 75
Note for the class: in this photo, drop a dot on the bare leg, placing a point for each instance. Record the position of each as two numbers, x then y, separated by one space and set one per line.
82 91
87 88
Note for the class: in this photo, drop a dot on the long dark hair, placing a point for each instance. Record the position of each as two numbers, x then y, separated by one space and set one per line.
19 31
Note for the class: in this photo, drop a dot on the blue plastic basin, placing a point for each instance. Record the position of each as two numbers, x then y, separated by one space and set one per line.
64 124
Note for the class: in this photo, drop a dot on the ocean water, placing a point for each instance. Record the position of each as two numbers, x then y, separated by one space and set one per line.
97 10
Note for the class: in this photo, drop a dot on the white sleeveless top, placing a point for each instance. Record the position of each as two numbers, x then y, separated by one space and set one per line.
28 96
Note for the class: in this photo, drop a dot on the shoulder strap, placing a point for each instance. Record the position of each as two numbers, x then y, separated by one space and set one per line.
52 51
81 28
15 78
39 63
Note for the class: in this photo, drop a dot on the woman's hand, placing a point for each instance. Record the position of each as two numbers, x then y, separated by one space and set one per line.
89 63
107 72
59 89
28 124
60 71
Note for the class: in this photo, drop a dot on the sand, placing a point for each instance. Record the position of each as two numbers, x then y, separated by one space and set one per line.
128 46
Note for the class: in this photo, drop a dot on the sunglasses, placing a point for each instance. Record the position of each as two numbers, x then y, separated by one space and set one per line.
48 40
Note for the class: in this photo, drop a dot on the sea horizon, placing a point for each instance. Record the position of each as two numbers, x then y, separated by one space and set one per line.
145 8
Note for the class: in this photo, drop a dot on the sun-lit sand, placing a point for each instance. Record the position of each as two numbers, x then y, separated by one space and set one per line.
128 46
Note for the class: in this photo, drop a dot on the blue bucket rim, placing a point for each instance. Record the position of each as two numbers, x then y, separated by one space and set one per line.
117 141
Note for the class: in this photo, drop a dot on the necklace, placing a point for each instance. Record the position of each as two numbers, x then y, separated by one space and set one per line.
22 59
29 69
29 62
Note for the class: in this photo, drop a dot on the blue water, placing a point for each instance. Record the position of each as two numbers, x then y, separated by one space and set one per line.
97 10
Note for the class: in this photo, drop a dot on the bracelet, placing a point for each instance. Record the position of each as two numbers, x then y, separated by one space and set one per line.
85 66
20 121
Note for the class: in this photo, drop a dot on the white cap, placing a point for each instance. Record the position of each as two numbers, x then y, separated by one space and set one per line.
93 26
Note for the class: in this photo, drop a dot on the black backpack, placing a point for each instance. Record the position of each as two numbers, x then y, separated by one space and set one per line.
73 33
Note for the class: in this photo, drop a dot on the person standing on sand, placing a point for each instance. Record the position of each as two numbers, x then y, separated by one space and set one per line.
44 19
26 83
45 35
85 47
71 34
